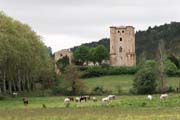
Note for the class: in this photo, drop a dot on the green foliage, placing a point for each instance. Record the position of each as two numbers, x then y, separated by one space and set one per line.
150 40
178 73
94 54
73 83
100 54
105 42
170 68
24 59
81 54
149 64
97 71
62 63
122 70
174 59
171 89
145 81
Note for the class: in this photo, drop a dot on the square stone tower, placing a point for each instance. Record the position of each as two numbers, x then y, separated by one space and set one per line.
122 46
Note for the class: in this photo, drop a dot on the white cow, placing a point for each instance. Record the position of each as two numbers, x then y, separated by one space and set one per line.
66 100
94 99
77 99
149 97
163 96
106 99
111 97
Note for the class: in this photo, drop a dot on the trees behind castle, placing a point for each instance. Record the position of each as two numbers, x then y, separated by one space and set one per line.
84 54
24 59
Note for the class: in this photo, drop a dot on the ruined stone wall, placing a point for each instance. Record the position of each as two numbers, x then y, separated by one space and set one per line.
62 53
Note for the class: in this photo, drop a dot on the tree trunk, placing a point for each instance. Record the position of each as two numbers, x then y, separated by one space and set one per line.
27 82
19 81
4 82
10 86
14 85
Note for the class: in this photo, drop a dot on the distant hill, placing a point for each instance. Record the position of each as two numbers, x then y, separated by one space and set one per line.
147 41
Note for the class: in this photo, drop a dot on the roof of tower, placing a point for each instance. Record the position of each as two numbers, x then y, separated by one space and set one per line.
121 27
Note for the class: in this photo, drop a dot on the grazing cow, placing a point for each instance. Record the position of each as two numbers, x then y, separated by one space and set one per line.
66 100
77 99
25 101
71 98
83 98
87 97
111 97
94 99
149 97
106 99
163 96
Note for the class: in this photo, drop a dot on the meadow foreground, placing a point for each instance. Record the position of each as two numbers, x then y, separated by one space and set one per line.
122 108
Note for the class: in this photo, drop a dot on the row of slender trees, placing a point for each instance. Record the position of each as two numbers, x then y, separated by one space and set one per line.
24 59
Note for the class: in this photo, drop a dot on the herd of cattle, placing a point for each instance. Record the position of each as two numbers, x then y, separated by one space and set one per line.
85 98
105 99
94 99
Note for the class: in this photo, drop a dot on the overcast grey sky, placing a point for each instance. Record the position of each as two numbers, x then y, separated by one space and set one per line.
66 23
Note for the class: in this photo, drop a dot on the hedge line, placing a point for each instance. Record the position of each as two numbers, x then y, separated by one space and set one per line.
97 71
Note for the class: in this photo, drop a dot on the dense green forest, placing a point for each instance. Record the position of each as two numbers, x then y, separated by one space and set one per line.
147 41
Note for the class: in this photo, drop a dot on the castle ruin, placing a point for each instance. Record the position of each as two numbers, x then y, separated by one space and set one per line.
122 46
60 55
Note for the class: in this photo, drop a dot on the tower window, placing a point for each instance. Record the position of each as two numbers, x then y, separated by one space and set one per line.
120 39
120 49
118 31
123 31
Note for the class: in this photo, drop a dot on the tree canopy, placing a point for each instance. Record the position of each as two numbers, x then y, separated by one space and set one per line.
24 59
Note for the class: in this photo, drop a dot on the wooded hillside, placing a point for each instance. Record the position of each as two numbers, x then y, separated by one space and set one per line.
147 41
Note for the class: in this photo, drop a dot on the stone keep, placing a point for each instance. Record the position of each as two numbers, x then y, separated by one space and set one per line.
122 46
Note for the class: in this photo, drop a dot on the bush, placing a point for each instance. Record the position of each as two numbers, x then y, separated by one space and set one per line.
122 70
97 71
178 73
170 68
171 89
149 64
144 82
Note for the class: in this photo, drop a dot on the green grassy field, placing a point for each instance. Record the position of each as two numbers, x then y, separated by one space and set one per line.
125 81
124 107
